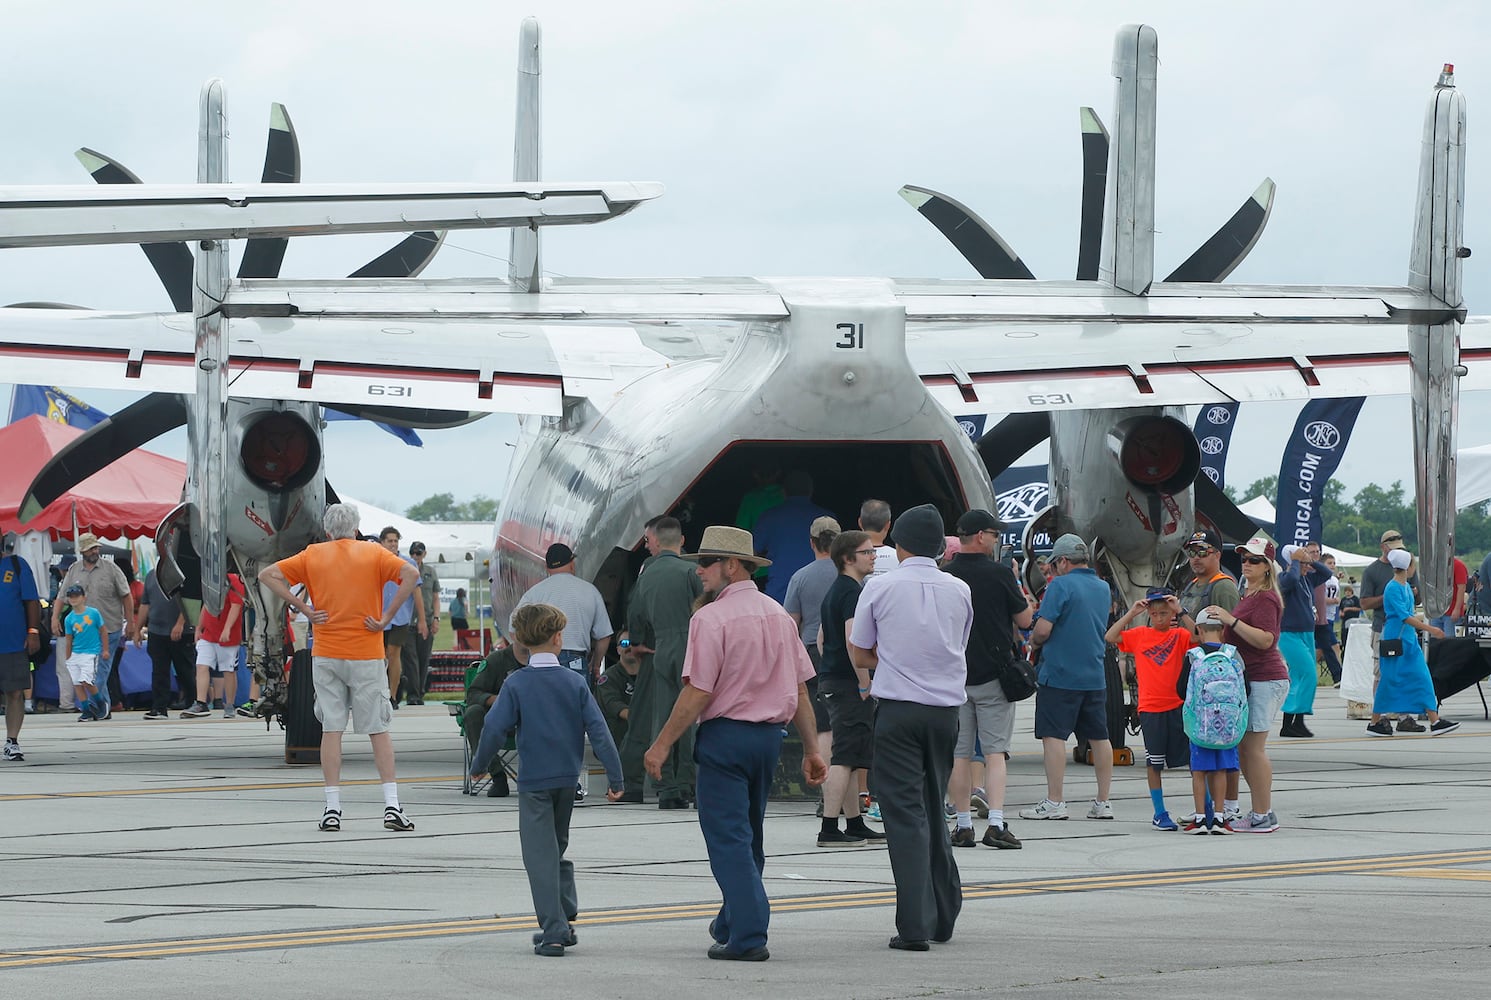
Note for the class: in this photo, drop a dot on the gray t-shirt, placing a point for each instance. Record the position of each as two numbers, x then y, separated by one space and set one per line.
805 596
581 603
1374 581
163 611
105 588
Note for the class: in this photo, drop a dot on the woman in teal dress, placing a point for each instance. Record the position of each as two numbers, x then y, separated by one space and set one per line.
1405 686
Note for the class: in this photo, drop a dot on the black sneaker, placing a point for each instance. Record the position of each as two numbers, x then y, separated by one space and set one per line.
964 836
1381 727
838 838
1410 725
1000 837
1443 726
153 715
873 838
245 711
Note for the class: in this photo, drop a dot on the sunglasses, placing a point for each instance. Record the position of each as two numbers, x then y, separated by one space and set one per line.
1200 550
710 560
1255 560
1393 538
623 644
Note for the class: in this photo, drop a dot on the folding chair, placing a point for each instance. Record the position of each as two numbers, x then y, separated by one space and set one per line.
507 757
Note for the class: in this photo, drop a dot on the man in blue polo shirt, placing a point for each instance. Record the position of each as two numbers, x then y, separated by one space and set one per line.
1072 692
20 636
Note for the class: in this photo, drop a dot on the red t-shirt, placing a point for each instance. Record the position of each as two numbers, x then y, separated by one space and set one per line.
1158 658
1457 601
210 626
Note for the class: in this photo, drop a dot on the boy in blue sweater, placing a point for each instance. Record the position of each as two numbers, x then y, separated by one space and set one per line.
552 709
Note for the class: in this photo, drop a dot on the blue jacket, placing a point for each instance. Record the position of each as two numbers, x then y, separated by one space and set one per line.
552 710
1298 588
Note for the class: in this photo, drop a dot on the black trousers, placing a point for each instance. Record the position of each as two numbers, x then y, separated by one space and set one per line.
166 653
913 759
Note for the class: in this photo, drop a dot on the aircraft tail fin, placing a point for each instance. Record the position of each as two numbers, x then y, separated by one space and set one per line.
524 259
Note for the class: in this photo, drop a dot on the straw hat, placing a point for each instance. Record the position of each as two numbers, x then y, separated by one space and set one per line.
728 543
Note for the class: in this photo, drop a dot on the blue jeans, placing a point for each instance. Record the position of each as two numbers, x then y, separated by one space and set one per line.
1447 623
575 660
106 663
736 763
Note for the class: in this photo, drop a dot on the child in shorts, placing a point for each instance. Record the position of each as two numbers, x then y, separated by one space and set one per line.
1209 767
1159 651
84 643
552 709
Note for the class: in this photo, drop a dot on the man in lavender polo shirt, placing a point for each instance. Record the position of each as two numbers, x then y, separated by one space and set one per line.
912 628
744 678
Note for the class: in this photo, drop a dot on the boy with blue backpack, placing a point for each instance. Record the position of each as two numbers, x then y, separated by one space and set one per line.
1216 717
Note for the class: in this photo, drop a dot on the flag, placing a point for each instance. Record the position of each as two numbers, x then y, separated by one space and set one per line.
973 425
1020 493
1311 456
1213 435
404 434
54 404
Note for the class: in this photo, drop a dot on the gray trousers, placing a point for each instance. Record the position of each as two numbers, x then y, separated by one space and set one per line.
913 759
543 832
639 728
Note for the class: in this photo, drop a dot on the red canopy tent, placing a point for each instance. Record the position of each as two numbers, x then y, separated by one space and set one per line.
128 498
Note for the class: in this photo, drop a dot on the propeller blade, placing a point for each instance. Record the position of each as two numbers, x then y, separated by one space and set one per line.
974 238
406 260
172 261
1094 193
262 257
1004 443
1231 522
1221 254
102 444
418 419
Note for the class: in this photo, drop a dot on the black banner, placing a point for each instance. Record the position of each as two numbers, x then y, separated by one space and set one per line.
1020 493
1214 434
973 425
1310 459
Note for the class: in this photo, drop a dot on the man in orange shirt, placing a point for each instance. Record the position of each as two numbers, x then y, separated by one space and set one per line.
344 581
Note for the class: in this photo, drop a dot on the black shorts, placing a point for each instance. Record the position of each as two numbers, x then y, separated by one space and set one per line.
1165 742
15 671
820 710
1059 712
852 720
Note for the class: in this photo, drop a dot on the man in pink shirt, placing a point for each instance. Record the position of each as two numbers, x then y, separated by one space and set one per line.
744 678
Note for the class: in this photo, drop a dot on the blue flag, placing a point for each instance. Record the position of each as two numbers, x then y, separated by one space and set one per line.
973 426
1214 434
52 403
1311 457
404 434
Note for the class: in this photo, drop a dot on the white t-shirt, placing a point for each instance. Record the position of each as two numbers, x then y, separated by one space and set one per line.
1332 590
885 559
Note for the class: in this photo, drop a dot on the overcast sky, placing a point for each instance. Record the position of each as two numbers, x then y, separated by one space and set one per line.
782 132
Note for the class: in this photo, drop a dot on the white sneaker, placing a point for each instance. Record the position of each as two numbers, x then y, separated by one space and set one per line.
1100 810
1232 815
1045 809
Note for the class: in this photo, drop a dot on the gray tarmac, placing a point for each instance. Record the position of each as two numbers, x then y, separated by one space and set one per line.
181 858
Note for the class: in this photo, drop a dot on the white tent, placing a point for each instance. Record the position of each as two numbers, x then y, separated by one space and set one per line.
1259 509
468 544
1472 476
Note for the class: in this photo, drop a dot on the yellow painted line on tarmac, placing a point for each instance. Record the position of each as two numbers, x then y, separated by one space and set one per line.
1442 864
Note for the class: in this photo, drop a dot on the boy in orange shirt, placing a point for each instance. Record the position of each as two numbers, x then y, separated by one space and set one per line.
1159 651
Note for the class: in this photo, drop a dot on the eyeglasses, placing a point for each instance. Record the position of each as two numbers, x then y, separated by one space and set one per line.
710 560
1393 538
864 552
1255 560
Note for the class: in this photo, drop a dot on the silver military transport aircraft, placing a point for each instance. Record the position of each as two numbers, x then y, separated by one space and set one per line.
644 396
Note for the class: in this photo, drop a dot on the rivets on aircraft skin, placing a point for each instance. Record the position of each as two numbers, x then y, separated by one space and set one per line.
849 378
398 330
207 365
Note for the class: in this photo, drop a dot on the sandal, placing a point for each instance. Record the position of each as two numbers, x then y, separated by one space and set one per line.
331 821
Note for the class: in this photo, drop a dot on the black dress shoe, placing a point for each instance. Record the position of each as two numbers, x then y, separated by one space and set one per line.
569 942
901 944
498 789
724 954
634 798
672 804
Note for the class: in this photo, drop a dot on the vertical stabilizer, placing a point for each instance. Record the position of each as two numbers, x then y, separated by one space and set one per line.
208 426
1434 351
524 259
1128 242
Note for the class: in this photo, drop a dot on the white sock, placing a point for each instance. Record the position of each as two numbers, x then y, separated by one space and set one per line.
30 707
965 820
996 818
390 794
334 797
1231 805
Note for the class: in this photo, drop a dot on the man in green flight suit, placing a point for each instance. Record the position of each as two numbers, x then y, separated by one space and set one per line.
658 616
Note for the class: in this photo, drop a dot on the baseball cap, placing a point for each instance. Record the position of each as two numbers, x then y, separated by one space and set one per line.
976 520
1158 593
76 590
822 524
1258 545
1204 536
1208 618
1392 538
558 555
1069 546
416 548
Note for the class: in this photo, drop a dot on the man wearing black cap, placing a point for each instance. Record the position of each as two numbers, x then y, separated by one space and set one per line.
911 627
588 628
987 716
